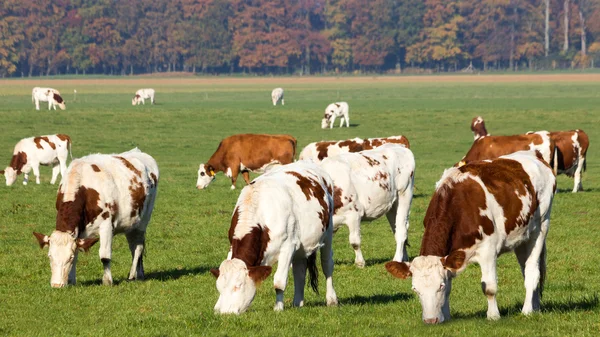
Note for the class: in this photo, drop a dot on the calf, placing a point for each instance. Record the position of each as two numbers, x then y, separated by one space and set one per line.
333 110
245 153
52 96
101 195
477 212
320 150
30 153
277 95
370 184
282 217
142 95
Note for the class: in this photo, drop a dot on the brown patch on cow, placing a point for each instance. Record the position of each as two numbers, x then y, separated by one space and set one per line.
566 150
506 180
322 148
154 179
130 166
138 196
95 168
64 138
384 156
382 178
105 215
312 189
372 143
251 248
38 140
372 162
113 207
337 198
59 197
492 147
352 145
18 161
137 96
78 213
234 221
57 98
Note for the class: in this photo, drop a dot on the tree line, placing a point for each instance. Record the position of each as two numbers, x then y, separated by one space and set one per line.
41 37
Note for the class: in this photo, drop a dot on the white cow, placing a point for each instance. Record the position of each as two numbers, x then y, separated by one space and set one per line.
334 110
370 184
50 95
277 95
100 196
284 217
30 153
142 95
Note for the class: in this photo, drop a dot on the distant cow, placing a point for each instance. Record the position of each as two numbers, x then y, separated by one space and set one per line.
52 96
369 185
277 95
142 95
102 195
334 110
569 157
283 217
320 150
245 153
477 212
30 153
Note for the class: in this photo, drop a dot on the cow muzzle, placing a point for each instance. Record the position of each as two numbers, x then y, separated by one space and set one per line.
431 321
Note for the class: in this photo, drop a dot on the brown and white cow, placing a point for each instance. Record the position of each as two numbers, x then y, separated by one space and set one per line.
318 151
30 153
245 153
569 157
101 195
477 212
369 185
50 95
283 217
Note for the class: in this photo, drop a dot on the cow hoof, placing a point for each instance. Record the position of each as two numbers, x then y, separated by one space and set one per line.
332 302
299 304
360 264
278 306
232 187
24 183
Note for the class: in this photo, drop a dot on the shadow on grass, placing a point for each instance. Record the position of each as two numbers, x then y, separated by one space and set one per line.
368 262
582 304
376 299
166 275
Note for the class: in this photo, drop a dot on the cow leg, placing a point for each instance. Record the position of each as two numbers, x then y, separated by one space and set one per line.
282 102
233 172
577 186
347 121
246 176
299 270
342 121
489 282
106 237
73 272
37 104
36 172
398 219
136 240
55 171
327 265
353 223
532 258
286 254
332 121
26 175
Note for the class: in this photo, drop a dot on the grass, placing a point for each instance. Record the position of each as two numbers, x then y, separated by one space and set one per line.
187 235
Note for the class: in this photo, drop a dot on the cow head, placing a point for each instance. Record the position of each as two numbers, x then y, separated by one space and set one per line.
135 100
62 251
325 122
237 284
59 101
432 281
10 174
206 175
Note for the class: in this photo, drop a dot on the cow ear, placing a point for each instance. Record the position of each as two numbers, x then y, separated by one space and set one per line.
1 171
210 170
215 272
84 245
455 261
259 274
43 240
399 269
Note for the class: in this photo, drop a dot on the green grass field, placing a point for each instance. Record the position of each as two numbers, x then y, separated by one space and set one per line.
188 232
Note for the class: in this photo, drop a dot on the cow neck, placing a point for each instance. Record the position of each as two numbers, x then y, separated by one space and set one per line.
437 239
18 161
216 160
251 247
73 216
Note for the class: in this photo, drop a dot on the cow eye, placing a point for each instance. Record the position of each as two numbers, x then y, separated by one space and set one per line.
202 174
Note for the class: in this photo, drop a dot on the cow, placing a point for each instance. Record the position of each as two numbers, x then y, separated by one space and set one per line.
50 95
101 195
477 212
245 153
570 150
283 217
30 153
490 147
334 110
369 185
320 150
277 96
142 95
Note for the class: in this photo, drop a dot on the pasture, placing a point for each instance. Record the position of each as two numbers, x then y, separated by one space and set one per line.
188 232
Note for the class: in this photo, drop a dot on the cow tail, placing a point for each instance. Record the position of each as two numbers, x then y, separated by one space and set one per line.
542 271
313 273
555 166
293 141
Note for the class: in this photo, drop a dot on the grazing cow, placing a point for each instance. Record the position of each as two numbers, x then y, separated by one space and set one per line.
370 184
320 150
30 153
334 110
142 95
52 96
477 212
245 153
101 195
490 147
569 157
284 217
277 95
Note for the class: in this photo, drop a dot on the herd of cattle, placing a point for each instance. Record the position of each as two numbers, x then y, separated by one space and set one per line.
496 199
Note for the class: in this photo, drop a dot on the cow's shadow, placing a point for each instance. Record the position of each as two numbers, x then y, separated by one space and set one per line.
368 262
376 299
165 275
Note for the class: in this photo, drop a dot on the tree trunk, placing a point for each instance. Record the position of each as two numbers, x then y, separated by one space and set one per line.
566 24
583 42
547 28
